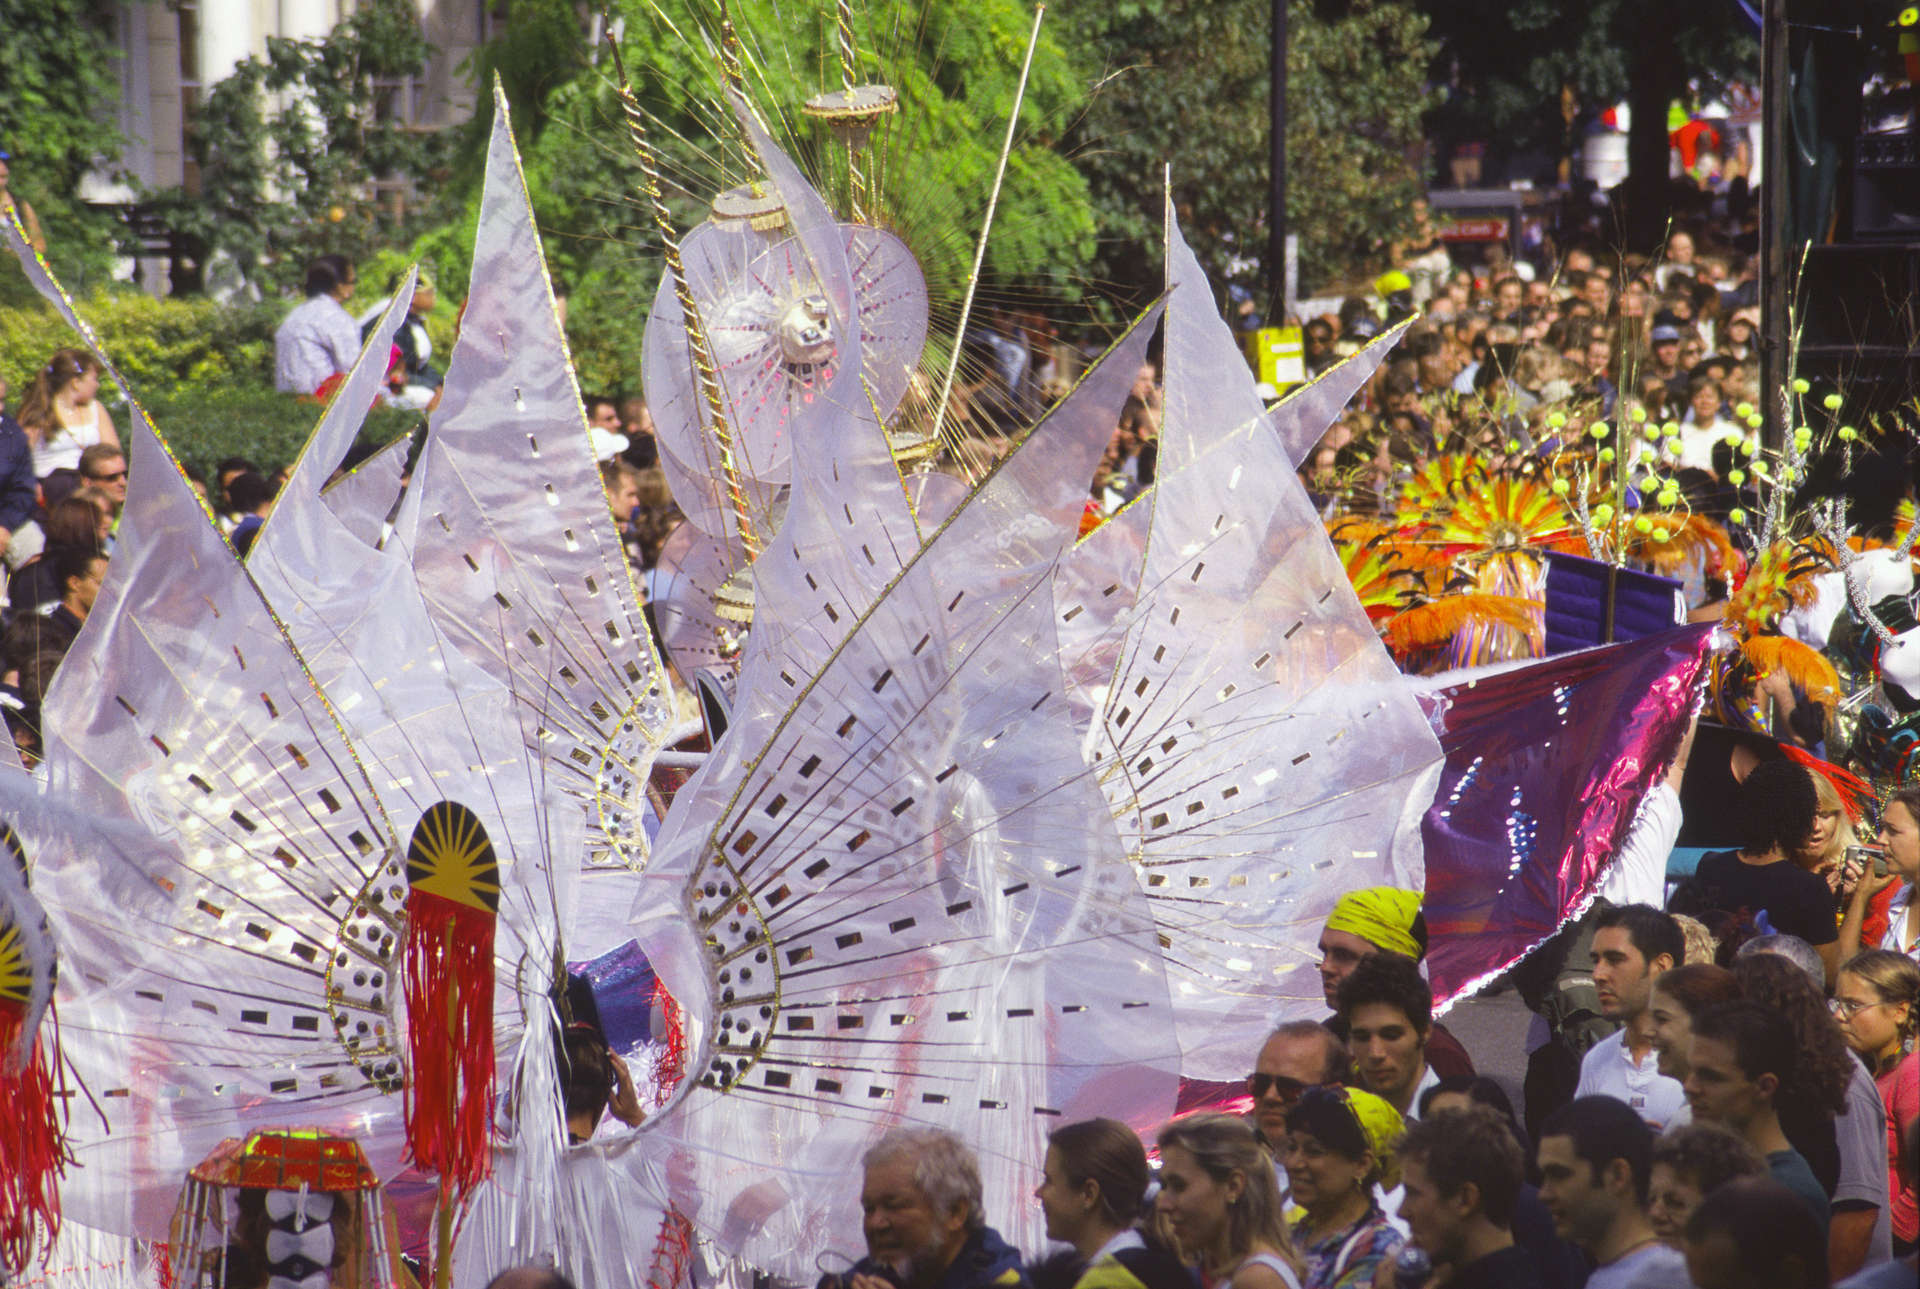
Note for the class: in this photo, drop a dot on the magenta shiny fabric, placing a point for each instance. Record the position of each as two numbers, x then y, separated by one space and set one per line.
1546 766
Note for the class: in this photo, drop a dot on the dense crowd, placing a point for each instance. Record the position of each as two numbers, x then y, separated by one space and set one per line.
1750 1121
1711 1101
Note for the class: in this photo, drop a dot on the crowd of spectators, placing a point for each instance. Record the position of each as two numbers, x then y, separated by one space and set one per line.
1752 1122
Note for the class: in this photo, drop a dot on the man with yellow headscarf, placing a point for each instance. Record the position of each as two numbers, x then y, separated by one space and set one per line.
1382 919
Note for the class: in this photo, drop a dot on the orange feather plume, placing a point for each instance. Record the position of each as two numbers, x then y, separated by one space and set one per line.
1429 626
1811 673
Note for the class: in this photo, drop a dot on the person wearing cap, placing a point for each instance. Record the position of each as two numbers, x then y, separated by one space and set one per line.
17 207
1382 919
1663 354
1339 1147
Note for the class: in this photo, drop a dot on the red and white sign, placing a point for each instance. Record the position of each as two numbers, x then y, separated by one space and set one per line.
1491 229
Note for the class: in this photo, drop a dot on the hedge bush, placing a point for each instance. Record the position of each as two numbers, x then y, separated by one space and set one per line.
204 427
161 346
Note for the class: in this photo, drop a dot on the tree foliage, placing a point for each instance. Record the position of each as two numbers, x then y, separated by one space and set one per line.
288 146
1186 83
59 84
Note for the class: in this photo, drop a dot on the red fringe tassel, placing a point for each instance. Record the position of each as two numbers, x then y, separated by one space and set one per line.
670 1066
672 1252
31 1154
449 973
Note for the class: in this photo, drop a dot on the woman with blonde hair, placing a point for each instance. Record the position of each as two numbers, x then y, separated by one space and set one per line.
1825 850
1221 1204
62 414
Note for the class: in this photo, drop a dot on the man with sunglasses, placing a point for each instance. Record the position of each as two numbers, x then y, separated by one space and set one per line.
1297 1056
104 467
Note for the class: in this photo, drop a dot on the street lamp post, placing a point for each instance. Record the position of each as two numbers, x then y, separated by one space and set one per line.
1277 167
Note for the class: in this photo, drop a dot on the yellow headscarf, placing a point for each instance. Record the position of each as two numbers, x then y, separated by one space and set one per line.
1380 915
1383 1127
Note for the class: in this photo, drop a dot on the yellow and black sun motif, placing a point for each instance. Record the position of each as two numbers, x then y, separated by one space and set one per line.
449 856
16 967
16 973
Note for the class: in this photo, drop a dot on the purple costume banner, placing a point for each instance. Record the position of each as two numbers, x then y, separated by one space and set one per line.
1546 766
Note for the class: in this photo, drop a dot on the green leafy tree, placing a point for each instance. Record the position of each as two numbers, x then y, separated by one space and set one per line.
59 82
1185 83
289 147
1506 61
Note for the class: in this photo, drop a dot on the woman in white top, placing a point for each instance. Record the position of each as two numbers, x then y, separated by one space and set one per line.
1704 428
1900 839
1219 1201
62 414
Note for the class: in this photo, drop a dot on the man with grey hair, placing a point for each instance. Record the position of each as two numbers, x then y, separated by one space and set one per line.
1791 947
925 1225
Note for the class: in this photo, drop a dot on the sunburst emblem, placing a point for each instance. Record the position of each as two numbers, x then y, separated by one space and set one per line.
16 971
449 856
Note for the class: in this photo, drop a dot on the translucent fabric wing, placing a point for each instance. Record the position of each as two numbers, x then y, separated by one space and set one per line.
432 726
363 497
511 541
213 862
1257 747
908 904
224 876
1098 586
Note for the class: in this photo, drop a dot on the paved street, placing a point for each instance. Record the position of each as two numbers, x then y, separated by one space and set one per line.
1493 1029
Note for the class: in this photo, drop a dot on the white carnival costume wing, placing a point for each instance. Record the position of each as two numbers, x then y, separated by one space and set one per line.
222 878
214 864
362 498
1255 742
511 541
907 902
431 726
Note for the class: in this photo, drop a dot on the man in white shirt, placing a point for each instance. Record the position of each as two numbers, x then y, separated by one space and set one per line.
1632 946
318 339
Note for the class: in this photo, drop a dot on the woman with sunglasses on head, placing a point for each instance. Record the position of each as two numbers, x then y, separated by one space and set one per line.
1092 1193
1877 1002
1339 1146
1220 1205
